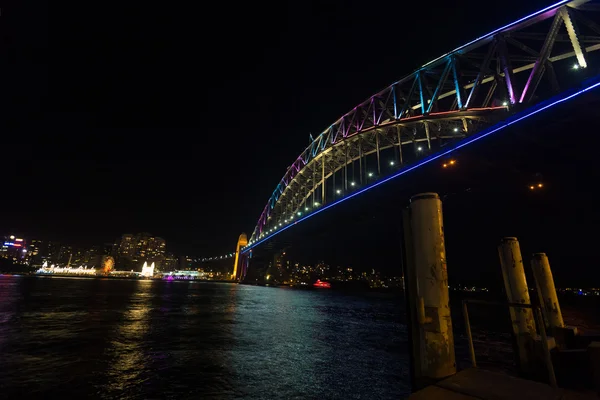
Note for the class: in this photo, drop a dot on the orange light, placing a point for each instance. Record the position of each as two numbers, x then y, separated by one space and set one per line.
540 185
452 162
531 187
445 165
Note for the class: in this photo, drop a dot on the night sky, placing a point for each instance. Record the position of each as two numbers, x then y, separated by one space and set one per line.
179 120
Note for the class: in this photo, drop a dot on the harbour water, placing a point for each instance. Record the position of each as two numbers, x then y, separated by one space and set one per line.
139 339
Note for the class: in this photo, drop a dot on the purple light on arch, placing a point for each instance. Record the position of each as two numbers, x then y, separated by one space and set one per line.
493 129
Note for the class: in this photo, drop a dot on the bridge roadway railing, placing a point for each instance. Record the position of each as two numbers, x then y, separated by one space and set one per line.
452 97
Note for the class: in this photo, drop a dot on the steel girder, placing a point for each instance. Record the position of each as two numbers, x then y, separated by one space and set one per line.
451 97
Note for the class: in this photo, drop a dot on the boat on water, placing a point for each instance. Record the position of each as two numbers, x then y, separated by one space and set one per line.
320 284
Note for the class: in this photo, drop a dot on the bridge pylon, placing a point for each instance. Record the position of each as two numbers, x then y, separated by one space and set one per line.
237 269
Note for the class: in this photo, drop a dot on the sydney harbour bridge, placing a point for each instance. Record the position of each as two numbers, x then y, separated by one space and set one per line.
498 80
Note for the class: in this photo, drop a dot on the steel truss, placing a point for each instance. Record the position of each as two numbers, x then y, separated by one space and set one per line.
449 98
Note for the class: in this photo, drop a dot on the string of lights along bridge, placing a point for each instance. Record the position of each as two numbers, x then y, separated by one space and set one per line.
478 89
223 257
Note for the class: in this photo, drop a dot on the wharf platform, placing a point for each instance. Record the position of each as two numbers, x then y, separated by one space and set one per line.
478 384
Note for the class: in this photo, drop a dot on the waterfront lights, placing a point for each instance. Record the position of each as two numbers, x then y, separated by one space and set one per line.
316 204
576 66
419 148
305 208
299 213
391 163
455 129
370 174
338 191
505 103
352 183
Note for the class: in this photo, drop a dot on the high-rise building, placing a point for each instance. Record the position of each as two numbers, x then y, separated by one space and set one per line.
127 246
169 263
14 248
108 249
34 252
134 250
149 247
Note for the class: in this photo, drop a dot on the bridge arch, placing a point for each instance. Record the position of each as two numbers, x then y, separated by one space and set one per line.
456 96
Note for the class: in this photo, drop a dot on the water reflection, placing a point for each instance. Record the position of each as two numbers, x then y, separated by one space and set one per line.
132 339
126 350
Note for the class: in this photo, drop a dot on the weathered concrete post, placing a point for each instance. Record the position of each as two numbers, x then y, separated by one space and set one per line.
546 290
515 284
428 275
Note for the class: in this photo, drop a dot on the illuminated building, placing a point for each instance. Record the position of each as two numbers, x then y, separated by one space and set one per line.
184 263
127 246
14 248
134 249
169 263
34 252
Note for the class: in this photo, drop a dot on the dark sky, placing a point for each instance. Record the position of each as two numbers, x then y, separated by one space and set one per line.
179 120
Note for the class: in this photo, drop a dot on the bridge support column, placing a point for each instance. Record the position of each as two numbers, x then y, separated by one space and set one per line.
517 291
427 291
242 241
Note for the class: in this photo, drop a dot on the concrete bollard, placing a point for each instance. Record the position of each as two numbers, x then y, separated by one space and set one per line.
434 342
546 290
515 283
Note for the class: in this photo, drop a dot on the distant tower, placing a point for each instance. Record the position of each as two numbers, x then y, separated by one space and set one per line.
242 241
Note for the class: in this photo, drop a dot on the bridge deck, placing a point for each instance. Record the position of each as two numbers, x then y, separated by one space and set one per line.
477 384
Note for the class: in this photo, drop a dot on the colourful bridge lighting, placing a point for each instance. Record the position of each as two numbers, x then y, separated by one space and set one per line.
512 120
